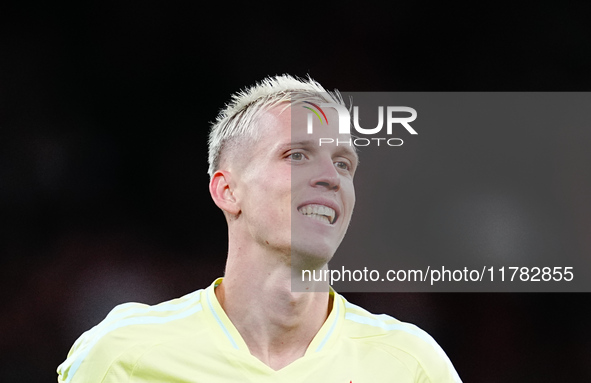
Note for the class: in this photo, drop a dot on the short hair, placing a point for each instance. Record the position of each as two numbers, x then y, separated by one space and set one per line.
238 117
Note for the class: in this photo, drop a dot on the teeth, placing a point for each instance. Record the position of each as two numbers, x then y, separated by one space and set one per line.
319 212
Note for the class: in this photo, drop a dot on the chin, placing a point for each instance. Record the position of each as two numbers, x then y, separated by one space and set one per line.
311 257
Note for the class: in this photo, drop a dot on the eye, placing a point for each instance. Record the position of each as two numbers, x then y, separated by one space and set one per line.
297 156
342 165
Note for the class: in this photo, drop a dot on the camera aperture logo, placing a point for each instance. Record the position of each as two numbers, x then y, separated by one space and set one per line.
392 116
316 113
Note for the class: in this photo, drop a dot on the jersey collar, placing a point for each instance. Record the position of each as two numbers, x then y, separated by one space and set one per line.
322 341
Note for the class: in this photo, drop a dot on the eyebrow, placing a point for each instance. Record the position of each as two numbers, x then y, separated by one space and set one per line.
313 144
350 150
299 144
302 143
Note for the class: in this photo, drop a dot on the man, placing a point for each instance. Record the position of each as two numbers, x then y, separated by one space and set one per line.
288 202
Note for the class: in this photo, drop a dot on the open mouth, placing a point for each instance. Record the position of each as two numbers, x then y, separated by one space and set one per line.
319 212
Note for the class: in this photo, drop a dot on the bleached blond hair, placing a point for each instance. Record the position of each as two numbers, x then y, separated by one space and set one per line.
238 119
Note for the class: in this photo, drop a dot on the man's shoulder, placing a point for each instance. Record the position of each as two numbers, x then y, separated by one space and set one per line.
382 327
399 340
130 329
133 316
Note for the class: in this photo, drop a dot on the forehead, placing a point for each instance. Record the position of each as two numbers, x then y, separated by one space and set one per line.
292 123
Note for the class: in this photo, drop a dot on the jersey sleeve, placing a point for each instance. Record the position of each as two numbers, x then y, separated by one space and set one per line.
434 365
97 355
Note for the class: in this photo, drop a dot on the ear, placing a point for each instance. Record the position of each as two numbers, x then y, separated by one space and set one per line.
222 193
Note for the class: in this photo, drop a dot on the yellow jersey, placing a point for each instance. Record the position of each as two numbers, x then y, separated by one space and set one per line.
191 339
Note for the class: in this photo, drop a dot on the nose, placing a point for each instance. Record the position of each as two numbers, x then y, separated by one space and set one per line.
326 176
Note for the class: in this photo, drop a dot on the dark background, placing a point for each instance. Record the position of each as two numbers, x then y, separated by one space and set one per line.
104 111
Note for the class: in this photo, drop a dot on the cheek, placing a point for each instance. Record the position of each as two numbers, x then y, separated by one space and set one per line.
350 195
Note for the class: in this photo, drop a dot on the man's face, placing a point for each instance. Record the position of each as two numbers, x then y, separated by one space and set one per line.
296 196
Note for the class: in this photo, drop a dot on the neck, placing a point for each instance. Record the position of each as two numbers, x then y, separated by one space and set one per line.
276 323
